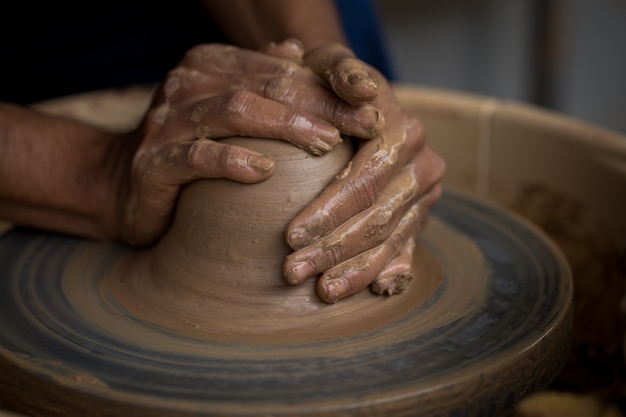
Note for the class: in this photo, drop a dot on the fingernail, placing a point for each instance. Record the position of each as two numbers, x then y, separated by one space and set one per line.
300 271
362 87
363 79
319 147
370 118
312 229
335 289
355 78
297 237
326 137
260 163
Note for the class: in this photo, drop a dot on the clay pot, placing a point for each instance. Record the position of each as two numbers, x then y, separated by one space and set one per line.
218 270
234 233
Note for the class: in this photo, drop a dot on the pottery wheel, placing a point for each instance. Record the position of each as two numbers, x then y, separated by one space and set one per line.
494 328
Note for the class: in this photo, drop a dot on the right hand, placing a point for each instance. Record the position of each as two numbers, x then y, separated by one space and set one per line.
360 231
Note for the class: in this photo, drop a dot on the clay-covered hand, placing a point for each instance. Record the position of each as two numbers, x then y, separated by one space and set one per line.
360 231
219 91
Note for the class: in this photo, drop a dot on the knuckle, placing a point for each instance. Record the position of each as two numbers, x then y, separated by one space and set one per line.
378 224
209 152
177 79
172 82
203 52
144 163
288 67
334 254
337 110
197 112
196 154
224 156
279 89
201 153
236 104
156 119
364 190
415 134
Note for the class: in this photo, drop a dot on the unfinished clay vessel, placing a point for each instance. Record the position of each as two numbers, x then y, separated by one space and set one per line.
229 237
218 270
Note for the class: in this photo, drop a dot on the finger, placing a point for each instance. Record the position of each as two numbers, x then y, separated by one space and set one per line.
241 113
357 235
352 276
349 77
358 187
399 272
397 275
182 162
291 49
363 121
210 159
302 91
205 67
160 174
357 273
227 59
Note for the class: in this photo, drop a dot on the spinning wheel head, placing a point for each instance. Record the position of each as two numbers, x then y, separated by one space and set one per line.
489 324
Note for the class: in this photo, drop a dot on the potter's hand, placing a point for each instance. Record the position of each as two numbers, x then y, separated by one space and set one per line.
348 76
360 231
220 91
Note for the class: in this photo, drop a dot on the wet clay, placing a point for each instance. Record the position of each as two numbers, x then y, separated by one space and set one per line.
485 322
218 270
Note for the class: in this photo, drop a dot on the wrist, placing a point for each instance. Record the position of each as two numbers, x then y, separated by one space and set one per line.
57 174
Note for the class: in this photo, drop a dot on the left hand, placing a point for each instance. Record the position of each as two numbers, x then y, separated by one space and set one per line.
360 231
218 91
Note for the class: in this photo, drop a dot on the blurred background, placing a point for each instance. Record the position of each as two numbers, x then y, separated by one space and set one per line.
566 55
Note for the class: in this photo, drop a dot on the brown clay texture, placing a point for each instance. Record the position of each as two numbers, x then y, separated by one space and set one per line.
218 271
486 321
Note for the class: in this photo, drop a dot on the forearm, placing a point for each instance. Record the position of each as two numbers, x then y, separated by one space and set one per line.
55 173
254 24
